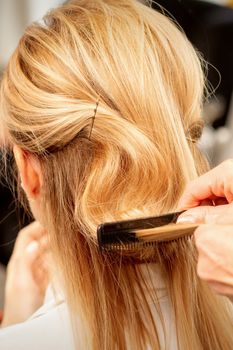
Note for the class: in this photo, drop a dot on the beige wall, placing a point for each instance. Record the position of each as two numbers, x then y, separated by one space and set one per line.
15 15
12 21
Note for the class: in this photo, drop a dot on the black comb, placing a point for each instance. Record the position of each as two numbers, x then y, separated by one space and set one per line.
114 235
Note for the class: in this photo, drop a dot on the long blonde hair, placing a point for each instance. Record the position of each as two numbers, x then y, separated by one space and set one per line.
132 160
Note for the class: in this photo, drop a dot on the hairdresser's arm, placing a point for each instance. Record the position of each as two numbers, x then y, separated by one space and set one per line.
27 275
214 239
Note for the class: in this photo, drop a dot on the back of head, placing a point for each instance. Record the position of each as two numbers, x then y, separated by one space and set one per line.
108 95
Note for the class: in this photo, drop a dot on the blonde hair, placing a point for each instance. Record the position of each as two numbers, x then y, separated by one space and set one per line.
133 159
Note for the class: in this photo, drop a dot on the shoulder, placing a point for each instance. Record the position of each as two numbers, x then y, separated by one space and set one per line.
48 328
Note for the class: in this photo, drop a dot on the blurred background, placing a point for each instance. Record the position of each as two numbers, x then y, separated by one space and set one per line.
209 26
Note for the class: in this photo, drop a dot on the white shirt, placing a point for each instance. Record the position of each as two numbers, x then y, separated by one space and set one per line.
49 328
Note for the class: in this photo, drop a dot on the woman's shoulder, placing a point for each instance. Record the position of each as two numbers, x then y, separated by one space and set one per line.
48 328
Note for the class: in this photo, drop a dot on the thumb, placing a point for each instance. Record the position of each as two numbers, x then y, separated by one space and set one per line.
20 268
31 253
206 215
32 248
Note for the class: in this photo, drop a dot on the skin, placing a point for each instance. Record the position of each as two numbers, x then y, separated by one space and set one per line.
27 275
209 202
27 271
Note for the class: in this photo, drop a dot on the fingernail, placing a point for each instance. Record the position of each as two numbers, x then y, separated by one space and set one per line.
186 219
32 247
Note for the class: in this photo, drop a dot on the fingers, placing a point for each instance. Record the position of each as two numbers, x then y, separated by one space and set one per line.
214 238
27 275
222 288
29 270
34 230
26 255
32 248
30 233
222 214
215 256
217 183
35 250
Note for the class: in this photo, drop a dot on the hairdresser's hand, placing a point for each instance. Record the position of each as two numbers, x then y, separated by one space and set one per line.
27 275
214 239
216 186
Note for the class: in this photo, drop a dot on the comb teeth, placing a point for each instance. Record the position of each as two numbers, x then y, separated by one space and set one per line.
120 247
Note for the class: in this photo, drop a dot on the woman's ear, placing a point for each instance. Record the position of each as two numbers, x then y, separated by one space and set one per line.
30 172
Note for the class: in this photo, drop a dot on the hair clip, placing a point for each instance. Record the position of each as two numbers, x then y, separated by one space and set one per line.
191 140
93 118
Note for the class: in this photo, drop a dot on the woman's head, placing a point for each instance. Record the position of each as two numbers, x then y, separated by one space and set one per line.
149 84
102 103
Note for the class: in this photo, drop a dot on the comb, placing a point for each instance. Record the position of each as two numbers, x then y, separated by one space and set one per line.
127 234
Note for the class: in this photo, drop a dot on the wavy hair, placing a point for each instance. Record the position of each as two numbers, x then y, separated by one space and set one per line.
129 158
